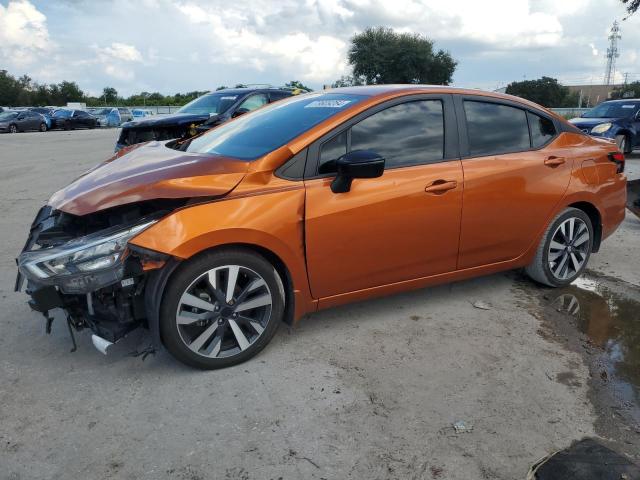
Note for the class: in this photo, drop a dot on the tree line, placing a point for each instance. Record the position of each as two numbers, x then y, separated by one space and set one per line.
378 55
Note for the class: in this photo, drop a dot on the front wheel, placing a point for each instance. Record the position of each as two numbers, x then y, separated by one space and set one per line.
43 127
13 128
221 308
564 250
623 144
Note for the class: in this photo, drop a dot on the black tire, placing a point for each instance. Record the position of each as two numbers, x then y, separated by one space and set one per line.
540 269
43 127
67 125
193 269
13 128
624 144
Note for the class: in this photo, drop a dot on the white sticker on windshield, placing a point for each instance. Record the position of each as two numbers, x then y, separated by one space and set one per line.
328 104
229 98
628 106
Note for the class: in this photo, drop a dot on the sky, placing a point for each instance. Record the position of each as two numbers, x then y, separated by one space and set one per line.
184 45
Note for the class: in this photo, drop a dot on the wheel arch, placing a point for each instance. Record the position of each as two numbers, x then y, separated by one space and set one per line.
596 221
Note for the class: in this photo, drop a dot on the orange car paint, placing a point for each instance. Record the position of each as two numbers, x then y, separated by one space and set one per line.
388 234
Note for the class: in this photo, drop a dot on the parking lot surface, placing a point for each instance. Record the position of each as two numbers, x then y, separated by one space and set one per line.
369 390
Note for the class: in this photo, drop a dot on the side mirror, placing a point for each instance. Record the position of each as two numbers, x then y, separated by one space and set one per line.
356 164
240 111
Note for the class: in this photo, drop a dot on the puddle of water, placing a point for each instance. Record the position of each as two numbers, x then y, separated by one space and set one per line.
609 313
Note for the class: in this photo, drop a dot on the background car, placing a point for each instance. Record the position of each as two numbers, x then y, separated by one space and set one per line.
107 117
201 114
47 113
125 114
615 119
141 113
22 121
71 119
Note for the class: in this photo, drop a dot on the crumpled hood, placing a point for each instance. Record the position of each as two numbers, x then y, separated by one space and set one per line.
147 172
171 119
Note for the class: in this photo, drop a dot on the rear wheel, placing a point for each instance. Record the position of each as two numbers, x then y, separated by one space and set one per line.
564 250
221 308
67 125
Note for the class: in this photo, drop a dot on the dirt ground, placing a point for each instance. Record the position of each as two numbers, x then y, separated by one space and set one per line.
369 390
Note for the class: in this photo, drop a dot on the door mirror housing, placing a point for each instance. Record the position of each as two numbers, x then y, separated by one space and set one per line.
356 164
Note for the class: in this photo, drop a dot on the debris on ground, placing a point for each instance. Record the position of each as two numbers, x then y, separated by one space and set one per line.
584 460
481 305
462 427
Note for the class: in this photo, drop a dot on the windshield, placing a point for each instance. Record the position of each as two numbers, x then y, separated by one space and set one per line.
258 133
102 111
62 113
8 115
612 110
211 103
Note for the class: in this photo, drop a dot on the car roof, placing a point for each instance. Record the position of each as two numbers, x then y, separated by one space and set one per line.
240 91
395 90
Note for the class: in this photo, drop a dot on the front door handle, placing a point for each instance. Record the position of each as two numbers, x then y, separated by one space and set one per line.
441 186
554 161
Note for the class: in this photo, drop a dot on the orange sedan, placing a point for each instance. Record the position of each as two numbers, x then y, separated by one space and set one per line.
316 201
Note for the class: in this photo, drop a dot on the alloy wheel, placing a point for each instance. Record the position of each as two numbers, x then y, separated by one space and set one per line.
224 311
13 129
569 248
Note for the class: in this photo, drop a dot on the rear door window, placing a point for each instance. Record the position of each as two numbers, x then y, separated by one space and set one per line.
494 128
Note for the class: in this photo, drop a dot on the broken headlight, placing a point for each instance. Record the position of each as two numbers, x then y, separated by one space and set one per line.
82 262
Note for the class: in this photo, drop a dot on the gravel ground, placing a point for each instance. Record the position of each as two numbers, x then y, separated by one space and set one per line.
369 390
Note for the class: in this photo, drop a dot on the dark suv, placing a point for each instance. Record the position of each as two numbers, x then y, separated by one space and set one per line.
615 119
199 115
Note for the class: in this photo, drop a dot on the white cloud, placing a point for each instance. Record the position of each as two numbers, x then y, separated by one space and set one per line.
23 33
119 51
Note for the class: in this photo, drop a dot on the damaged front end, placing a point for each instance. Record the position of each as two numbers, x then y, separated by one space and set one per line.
85 266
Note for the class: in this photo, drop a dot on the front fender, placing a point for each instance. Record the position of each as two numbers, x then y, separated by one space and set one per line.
271 221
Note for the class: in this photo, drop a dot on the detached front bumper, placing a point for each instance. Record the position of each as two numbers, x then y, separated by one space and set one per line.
110 300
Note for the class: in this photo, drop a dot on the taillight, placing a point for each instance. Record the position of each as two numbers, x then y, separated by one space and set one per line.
618 159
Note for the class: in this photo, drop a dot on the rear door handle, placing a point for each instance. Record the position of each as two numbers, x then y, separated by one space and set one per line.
554 161
441 186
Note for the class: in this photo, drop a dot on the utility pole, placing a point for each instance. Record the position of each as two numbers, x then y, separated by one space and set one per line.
626 78
612 54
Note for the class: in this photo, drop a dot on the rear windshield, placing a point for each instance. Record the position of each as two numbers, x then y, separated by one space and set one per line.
613 110
266 129
211 103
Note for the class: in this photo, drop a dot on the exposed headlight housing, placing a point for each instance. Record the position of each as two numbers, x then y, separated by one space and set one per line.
603 127
83 263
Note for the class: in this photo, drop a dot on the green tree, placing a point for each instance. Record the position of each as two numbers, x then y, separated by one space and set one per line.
70 92
221 87
298 84
632 6
380 55
109 95
348 81
545 91
629 90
